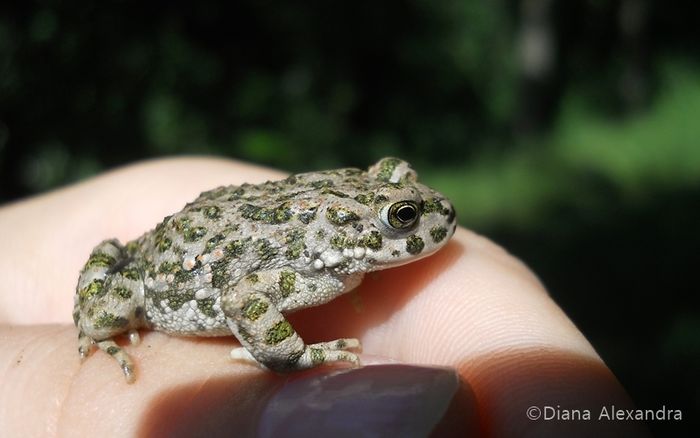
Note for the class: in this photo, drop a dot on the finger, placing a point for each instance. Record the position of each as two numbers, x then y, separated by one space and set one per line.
179 393
53 234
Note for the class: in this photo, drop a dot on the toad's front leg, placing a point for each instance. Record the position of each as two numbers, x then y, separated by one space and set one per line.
251 308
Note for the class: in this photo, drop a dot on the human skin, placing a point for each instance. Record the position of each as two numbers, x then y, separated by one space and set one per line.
471 307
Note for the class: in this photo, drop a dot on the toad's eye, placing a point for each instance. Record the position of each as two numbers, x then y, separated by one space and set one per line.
401 215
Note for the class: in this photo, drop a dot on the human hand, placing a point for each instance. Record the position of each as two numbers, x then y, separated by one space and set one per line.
471 307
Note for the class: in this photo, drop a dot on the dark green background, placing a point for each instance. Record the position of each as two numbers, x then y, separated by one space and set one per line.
568 131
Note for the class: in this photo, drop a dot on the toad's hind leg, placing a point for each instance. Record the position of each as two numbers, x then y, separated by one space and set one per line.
109 301
268 337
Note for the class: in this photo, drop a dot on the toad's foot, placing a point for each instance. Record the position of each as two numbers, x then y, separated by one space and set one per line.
332 351
134 338
110 347
85 344
313 355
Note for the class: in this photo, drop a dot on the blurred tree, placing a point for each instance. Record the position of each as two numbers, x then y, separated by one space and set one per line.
291 84
634 81
538 87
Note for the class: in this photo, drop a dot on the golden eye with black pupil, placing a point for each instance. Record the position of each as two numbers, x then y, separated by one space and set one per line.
403 214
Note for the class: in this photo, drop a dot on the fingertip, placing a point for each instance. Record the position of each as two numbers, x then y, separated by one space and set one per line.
548 392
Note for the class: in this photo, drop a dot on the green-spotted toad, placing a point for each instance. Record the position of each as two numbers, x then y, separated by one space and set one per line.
238 258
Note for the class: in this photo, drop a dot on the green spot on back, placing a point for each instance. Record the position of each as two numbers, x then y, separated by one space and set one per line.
182 224
372 241
168 267
132 247
190 234
219 274
307 216
100 260
163 243
365 198
269 215
212 212
341 215
131 273
342 241
321 184
295 243
175 300
236 248
266 251
122 292
211 243
180 275
380 199
95 287
206 306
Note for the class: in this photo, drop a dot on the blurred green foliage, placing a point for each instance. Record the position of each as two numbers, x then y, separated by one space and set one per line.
567 131
657 149
297 85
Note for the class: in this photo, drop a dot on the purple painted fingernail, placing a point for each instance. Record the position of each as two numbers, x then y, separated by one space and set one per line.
383 400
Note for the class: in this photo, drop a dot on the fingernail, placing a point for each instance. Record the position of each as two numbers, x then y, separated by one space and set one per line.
397 400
